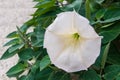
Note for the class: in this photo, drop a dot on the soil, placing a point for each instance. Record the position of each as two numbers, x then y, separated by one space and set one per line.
12 13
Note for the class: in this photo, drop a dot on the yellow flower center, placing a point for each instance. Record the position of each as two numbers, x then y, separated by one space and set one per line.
76 36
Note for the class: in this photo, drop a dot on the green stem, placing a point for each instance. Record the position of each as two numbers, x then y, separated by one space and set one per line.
74 76
104 57
87 9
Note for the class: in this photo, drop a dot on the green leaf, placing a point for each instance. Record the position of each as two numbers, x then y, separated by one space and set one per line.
7 54
44 62
24 28
29 76
44 74
111 15
105 54
44 4
12 42
90 75
112 72
12 35
42 11
99 59
114 55
38 37
75 5
26 54
23 37
38 43
110 34
16 69
35 66
15 47
100 14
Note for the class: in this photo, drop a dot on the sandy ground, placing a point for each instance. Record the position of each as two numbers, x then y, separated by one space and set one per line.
12 13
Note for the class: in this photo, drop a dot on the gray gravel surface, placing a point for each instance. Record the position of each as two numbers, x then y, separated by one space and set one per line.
12 13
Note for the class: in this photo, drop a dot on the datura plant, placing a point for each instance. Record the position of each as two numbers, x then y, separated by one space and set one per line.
67 40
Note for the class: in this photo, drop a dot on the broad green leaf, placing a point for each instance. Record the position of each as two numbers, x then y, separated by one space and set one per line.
29 76
16 69
42 11
114 55
26 54
38 43
12 35
75 5
90 75
15 47
112 68
46 3
111 15
7 54
100 14
35 66
12 42
44 74
24 28
44 62
112 72
39 33
111 33
37 38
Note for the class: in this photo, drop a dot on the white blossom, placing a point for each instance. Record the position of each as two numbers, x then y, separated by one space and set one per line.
71 42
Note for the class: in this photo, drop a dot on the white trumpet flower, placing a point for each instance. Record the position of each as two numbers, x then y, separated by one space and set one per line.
72 44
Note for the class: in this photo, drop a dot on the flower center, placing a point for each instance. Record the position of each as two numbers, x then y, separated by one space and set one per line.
76 36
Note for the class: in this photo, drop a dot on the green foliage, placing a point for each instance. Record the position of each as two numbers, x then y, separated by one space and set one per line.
112 72
16 70
104 16
44 62
26 54
90 75
75 5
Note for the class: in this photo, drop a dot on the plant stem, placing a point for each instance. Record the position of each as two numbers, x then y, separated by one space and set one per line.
74 76
104 58
87 9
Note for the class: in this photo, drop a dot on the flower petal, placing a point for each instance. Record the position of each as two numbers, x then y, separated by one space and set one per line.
63 24
70 60
54 45
90 50
83 27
